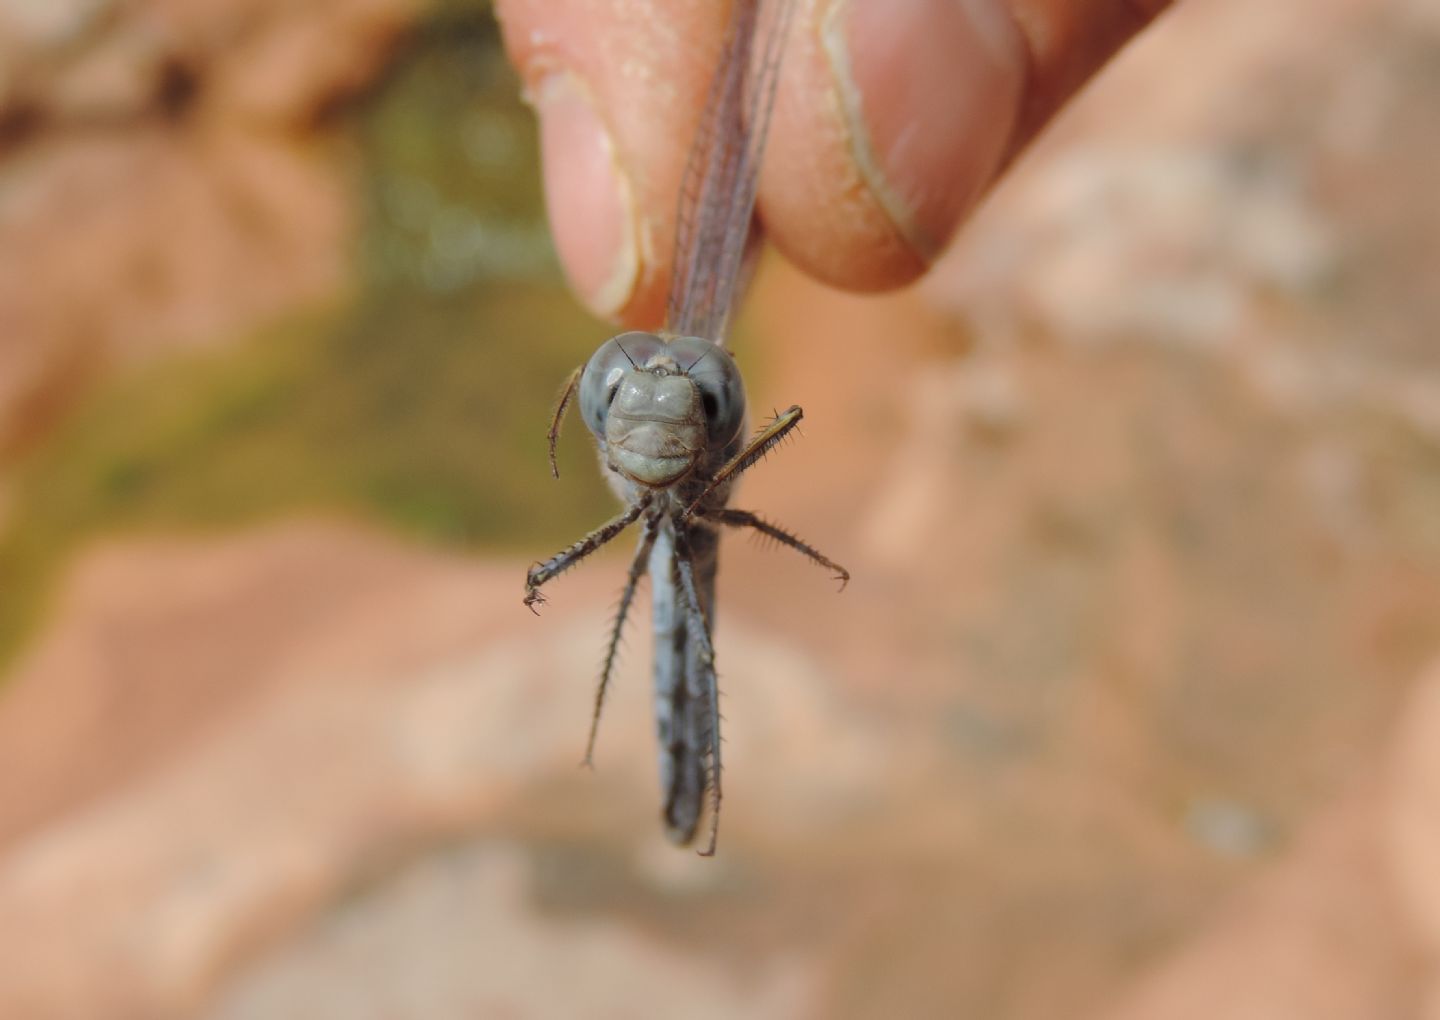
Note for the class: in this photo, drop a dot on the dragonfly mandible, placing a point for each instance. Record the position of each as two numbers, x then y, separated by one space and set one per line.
667 411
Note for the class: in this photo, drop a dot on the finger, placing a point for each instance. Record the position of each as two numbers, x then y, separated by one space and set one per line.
896 116
1067 42
619 88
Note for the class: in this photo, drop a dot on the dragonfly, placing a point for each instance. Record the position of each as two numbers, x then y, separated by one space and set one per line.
667 411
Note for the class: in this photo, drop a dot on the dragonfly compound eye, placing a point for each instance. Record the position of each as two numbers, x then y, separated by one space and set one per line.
722 393
603 372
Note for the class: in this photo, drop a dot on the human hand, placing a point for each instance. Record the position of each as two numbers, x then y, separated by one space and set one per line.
893 118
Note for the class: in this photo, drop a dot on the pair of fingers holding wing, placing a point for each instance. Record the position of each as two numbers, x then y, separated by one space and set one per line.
892 119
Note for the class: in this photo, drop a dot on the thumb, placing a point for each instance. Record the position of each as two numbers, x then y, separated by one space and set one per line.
619 88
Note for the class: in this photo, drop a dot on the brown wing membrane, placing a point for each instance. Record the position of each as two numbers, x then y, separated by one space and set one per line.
717 194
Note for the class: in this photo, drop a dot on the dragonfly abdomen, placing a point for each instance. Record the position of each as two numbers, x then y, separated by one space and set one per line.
683 718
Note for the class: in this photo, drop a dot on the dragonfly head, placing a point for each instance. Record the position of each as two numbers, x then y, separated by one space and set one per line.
660 405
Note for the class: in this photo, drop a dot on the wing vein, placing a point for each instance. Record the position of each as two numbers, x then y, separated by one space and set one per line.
717 195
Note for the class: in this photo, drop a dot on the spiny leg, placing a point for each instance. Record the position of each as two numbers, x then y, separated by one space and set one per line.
763 442
700 628
627 596
563 561
567 394
745 519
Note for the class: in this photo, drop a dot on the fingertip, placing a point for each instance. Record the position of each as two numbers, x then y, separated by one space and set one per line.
930 92
816 208
588 197
894 120
891 123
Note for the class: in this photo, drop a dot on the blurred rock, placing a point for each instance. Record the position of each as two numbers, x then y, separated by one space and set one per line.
32 24
1347 925
1413 825
82 62
456 937
214 231
1323 937
284 760
162 180
1138 494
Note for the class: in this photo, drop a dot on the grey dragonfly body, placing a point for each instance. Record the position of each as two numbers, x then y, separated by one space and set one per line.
667 411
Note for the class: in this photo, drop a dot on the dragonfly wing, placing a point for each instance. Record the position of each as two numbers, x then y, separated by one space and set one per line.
717 194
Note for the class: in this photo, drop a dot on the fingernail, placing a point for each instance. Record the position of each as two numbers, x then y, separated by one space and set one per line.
929 90
587 197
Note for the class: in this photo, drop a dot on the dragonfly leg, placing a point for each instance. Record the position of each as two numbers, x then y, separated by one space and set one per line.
745 519
567 394
700 628
627 596
765 440
563 561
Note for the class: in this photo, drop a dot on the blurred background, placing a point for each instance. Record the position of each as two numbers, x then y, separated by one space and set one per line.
1125 714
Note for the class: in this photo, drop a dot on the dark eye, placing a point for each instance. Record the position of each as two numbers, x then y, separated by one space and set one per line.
722 393
603 372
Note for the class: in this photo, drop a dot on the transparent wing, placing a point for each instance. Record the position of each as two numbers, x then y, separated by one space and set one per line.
717 193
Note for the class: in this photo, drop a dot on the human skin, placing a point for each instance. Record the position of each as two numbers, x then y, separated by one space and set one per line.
893 119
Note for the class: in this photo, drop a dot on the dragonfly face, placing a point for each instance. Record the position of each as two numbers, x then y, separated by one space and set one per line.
660 407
